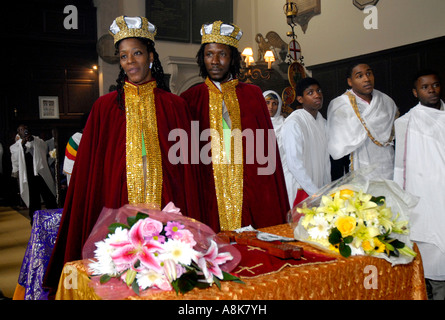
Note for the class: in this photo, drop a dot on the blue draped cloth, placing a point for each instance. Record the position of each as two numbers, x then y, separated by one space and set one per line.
41 242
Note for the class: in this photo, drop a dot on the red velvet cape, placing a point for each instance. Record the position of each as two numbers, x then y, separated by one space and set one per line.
264 196
99 176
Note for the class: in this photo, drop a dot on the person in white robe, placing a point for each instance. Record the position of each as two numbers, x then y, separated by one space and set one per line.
34 175
419 169
360 125
305 143
274 105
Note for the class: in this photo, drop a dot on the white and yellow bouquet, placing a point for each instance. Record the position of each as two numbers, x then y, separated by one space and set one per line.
357 216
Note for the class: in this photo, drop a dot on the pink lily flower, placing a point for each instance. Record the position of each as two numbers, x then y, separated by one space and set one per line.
210 261
140 247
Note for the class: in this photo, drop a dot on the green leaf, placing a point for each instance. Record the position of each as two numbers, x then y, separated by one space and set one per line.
379 200
135 287
175 285
104 278
348 240
187 282
230 277
345 250
395 253
398 244
389 246
217 282
112 228
139 216
335 237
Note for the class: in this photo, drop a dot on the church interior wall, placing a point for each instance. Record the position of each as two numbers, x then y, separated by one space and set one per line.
335 34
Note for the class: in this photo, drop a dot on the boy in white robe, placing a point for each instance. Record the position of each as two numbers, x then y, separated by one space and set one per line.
305 144
419 169
360 125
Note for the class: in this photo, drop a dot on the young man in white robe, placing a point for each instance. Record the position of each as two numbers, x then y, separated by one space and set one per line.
419 169
30 166
305 144
360 126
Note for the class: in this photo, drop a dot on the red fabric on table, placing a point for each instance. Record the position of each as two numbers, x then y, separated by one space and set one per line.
256 261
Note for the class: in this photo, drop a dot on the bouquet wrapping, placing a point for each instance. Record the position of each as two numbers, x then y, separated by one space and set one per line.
358 216
140 250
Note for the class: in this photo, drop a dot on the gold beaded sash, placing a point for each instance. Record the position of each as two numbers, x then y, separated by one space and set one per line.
227 167
141 119
353 101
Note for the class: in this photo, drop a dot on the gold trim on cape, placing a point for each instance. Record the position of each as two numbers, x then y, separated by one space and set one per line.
227 168
141 119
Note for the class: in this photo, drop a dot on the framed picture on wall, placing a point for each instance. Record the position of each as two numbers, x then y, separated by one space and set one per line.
49 107
204 11
171 18
181 20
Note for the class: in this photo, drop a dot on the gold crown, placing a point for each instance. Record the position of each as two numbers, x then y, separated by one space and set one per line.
219 32
132 27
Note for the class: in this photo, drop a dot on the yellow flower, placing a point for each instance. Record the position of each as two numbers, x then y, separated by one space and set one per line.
379 247
334 248
374 246
400 226
331 206
385 215
367 246
345 194
346 225
361 201
364 233
308 215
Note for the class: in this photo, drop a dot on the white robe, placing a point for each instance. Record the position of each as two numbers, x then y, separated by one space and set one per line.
277 122
420 170
39 151
347 135
306 154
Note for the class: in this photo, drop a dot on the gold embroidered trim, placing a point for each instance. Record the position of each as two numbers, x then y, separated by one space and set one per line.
141 119
227 168
357 112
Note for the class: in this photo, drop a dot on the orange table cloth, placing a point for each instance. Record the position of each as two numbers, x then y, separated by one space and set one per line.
354 278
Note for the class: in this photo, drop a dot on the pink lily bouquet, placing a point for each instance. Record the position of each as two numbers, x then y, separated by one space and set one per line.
162 250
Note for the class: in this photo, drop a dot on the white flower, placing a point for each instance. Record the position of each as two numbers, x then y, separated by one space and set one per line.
320 229
104 250
120 235
104 263
148 278
178 251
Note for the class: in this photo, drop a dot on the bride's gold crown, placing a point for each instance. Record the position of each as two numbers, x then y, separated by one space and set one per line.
132 27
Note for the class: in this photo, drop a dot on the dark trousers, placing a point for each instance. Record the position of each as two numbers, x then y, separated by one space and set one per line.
38 190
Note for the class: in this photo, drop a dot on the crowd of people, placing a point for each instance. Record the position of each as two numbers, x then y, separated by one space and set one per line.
123 154
363 130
